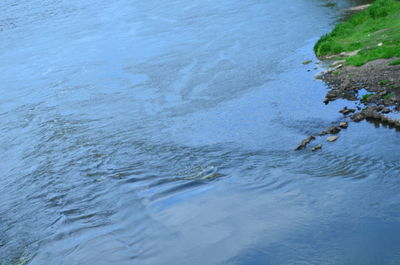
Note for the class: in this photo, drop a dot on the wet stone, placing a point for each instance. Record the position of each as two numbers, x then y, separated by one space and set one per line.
343 125
317 147
332 138
346 111
358 117
331 130
305 142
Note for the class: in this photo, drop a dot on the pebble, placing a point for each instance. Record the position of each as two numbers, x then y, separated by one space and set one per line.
343 125
317 147
332 138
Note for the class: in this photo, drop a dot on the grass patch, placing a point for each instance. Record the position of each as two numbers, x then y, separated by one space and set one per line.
395 62
383 82
366 97
388 96
374 31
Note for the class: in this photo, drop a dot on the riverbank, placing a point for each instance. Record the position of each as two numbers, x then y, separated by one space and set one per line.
365 66
365 52
370 34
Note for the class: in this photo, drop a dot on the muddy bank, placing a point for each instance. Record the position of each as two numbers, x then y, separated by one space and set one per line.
373 87
376 82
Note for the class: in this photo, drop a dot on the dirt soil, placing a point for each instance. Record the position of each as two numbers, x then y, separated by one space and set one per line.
380 81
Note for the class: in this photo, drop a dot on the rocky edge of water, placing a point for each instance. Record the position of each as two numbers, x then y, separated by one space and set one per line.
375 87
377 80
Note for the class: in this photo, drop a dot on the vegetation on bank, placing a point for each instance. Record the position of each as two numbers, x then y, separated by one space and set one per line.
375 32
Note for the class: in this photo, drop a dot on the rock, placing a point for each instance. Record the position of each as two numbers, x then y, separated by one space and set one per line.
342 54
358 8
396 92
389 101
331 130
343 125
346 111
348 54
383 93
385 119
305 142
345 84
390 121
333 69
368 113
317 147
332 138
340 92
338 62
358 117
386 110
319 76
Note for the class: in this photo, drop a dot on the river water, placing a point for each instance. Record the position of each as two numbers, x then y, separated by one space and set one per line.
162 132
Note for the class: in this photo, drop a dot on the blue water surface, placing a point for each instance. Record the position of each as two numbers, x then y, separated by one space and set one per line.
162 132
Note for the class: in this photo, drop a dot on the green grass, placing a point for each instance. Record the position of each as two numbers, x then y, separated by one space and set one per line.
374 31
366 97
383 82
388 96
395 62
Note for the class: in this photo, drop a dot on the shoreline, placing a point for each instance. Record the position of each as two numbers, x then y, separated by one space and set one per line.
376 82
361 74
374 98
373 84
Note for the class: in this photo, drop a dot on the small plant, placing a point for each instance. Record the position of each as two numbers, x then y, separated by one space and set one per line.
392 86
337 73
395 62
383 82
307 62
366 97
388 96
